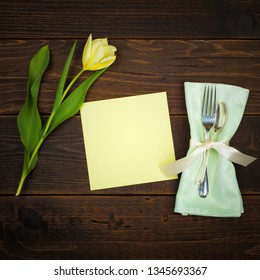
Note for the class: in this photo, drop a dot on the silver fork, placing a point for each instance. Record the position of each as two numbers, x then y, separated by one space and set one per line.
208 118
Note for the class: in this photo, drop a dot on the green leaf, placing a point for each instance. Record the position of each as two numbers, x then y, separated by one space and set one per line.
71 105
29 121
37 67
63 78
29 125
26 168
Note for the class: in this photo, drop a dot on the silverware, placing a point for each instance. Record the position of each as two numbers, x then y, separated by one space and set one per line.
208 119
220 118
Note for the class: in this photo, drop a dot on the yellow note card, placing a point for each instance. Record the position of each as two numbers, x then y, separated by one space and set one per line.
127 140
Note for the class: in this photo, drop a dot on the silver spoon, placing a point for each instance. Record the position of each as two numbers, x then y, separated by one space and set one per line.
220 117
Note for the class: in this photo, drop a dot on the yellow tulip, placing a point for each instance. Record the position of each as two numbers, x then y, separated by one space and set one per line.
97 54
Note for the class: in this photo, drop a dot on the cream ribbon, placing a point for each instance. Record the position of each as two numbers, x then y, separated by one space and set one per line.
222 147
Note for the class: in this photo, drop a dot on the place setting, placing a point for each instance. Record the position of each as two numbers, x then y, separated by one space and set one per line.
208 184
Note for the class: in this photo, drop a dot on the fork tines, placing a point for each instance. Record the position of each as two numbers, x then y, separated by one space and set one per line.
209 101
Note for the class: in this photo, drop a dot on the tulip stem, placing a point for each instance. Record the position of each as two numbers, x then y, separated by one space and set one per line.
71 84
23 177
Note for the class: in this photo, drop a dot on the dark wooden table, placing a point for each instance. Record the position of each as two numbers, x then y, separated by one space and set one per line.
161 44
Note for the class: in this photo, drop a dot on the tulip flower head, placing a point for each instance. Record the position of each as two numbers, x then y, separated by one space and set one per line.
97 54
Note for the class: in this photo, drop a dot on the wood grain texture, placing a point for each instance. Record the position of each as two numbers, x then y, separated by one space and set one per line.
62 169
130 19
142 66
122 227
161 44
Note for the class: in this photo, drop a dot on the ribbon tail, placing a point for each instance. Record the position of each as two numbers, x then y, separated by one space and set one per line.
174 168
233 154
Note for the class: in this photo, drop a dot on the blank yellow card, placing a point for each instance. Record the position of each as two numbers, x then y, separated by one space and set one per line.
127 140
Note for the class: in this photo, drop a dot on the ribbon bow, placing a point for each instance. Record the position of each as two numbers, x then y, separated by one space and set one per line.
222 147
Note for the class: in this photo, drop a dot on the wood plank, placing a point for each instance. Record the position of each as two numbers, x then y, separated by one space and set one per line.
62 169
128 227
126 250
130 19
142 66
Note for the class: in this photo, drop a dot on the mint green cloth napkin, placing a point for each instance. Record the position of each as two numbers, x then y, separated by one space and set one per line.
224 198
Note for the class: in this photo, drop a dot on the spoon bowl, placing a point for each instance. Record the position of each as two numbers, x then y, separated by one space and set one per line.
220 117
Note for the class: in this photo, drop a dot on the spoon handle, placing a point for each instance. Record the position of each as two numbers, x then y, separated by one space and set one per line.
204 185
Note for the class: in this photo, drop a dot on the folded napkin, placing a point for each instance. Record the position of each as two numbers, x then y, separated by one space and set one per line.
224 198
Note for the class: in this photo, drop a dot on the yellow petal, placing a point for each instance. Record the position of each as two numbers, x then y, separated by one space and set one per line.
87 51
97 52
108 59
106 62
109 50
103 41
